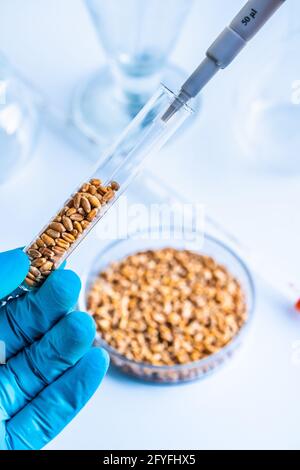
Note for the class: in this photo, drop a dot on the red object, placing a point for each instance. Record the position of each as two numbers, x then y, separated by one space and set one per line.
297 305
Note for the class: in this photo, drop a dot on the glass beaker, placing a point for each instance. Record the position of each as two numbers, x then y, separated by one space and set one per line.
268 110
137 37
18 122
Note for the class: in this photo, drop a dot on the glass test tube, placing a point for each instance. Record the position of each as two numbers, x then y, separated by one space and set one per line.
91 200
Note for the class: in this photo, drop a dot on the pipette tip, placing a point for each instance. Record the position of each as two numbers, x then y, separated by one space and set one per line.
179 101
172 109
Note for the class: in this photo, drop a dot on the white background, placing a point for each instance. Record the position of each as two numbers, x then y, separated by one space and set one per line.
254 401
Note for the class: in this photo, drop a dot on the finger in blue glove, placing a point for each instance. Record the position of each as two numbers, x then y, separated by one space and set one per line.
42 419
14 265
35 367
24 320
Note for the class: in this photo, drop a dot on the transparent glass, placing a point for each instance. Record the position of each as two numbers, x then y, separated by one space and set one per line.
137 37
156 239
91 200
268 111
18 122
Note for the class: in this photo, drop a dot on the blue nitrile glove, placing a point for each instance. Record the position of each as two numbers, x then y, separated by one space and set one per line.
51 369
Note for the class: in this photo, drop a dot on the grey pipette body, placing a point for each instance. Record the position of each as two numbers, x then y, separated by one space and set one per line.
225 48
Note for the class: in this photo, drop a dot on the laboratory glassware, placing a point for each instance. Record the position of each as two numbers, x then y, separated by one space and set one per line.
19 122
136 242
90 201
268 132
137 37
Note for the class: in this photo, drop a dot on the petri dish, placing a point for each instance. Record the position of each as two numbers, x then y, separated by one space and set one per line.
211 246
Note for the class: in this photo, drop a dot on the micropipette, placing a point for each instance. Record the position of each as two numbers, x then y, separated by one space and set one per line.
225 48
220 54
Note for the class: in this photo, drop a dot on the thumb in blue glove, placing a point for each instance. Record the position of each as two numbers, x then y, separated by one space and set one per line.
51 369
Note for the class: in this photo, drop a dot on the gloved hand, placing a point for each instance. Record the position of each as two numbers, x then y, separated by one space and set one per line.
51 369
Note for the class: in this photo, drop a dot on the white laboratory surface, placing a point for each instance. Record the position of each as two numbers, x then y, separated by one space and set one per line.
253 402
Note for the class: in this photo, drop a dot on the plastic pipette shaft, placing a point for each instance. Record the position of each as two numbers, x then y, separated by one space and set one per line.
225 48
